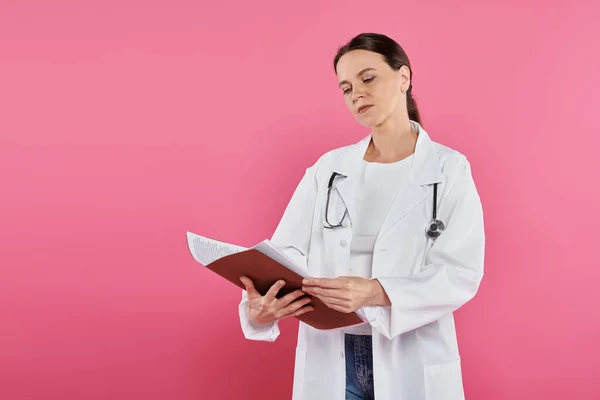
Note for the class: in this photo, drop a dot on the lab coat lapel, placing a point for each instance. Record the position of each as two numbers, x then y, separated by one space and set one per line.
348 164
425 170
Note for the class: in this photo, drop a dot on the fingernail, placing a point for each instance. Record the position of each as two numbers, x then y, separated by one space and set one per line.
281 282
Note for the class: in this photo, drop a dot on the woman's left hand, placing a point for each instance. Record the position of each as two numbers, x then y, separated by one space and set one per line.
346 293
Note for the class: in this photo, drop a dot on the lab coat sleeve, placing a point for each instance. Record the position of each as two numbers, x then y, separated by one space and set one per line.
292 237
293 233
251 331
453 270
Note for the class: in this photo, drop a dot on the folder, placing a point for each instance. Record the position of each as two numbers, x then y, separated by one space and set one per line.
264 264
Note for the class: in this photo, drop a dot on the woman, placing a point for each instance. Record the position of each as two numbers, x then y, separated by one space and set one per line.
370 241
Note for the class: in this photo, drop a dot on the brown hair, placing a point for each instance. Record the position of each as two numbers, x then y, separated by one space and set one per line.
394 56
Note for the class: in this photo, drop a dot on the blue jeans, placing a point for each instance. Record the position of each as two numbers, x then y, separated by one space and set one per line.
359 367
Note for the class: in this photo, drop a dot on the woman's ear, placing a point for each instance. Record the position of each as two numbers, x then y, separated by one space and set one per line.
404 77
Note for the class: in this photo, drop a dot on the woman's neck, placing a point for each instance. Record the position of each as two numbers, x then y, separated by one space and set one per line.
394 140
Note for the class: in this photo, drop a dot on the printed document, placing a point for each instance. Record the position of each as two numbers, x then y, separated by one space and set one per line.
206 250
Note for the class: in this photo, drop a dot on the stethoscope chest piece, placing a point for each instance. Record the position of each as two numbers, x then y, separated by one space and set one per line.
435 228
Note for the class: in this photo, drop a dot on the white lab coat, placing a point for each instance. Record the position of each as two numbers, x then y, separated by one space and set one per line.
415 351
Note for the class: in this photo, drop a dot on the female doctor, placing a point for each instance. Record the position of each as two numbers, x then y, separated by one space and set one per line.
392 226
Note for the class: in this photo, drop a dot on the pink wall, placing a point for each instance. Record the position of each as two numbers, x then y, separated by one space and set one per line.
123 124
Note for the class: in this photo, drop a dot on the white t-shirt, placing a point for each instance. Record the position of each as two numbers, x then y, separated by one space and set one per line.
378 188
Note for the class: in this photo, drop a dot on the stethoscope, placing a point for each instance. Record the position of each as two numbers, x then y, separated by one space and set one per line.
434 228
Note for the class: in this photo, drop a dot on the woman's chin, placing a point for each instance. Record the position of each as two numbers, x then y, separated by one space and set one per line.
367 121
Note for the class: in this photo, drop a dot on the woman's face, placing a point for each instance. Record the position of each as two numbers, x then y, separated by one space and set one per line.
372 90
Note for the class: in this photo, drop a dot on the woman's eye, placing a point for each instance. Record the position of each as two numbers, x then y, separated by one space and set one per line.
365 80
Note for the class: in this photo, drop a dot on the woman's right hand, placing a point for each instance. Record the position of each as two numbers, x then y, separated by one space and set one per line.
268 308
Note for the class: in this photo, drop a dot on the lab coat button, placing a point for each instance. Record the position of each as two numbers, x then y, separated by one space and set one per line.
343 243
342 354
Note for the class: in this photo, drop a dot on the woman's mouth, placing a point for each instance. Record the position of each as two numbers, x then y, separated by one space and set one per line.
364 108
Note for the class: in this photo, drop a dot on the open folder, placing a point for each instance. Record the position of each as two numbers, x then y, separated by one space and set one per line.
264 264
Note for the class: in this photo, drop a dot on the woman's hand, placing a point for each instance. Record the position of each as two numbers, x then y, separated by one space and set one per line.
266 309
346 293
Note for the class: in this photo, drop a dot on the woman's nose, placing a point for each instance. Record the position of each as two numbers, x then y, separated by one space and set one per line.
357 95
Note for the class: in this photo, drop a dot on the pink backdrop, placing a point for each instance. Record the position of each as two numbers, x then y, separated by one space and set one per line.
123 124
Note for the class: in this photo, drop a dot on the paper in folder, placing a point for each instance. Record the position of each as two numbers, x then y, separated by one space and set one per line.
264 264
